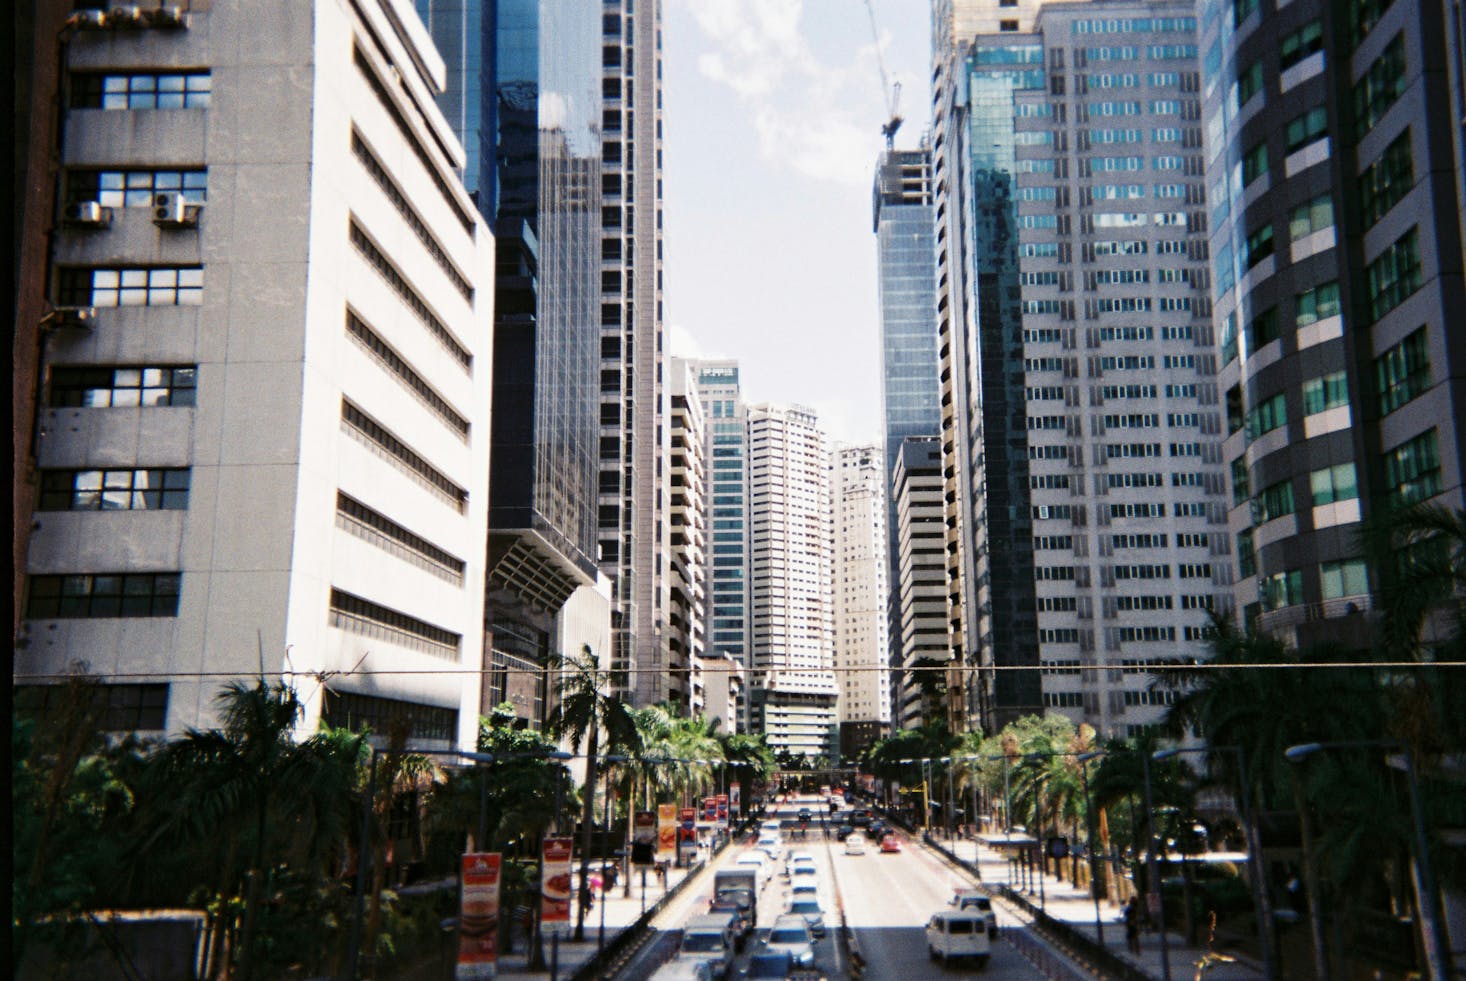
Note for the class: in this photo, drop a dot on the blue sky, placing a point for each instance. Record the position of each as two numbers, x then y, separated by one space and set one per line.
772 112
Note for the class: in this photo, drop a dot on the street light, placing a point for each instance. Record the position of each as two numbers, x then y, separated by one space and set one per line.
1433 939
1083 760
1261 901
1154 868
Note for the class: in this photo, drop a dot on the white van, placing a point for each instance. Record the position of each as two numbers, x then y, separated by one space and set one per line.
958 933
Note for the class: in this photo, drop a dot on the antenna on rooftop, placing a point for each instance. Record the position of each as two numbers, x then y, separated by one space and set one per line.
893 100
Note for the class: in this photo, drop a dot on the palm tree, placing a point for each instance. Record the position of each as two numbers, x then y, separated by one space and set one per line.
247 778
585 707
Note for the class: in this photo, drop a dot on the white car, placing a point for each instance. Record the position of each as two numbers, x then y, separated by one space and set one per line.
855 845
804 890
790 933
952 934
757 861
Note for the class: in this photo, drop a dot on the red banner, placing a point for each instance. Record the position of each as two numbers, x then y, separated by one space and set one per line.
478 916
710 809
722 802
555 858
688 820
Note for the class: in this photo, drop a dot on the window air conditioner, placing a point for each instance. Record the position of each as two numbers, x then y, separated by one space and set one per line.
89 19
168 17
84 317
172 210
88 214
125 17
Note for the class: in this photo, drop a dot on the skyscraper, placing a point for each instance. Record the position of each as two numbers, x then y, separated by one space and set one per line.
860 597
687 506
790 568
920 590
530 116
1335 162
633 475
264 432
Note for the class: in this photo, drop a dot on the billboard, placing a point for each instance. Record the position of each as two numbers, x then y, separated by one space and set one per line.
643 837
478 916
734 800
555 856
666 832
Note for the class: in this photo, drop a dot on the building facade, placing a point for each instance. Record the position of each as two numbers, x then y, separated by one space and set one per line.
633 476
921 648
263 428
687 508
860 594
1335 160
534 169
790 537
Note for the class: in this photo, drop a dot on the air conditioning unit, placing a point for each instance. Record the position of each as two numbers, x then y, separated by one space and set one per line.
89 19
84 317
173 210
87 214
173 18
125 17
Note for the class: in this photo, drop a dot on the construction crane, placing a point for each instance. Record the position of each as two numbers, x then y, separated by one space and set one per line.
893 100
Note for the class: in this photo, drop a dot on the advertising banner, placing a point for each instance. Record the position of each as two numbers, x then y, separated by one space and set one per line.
710 809
555 881
722 804
666 832
687 824
735 802
478 916
643 837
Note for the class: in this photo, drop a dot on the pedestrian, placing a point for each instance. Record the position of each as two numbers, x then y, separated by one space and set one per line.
1132 926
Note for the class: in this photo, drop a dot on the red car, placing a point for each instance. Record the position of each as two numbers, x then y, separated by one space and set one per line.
890 843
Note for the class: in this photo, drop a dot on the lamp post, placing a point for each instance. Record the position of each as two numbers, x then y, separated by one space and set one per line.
1260 899
614 758
1084 758
1432 938
1154 868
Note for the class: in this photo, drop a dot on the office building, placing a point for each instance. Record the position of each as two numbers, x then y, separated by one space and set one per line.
687 508
921 648
632 476
790 537
534 169
1335 162
264 427
861 628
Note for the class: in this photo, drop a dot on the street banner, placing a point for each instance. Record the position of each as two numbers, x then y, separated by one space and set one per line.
687 821
722 803
666 832
710 810
555 880
735 803
643 837
478 916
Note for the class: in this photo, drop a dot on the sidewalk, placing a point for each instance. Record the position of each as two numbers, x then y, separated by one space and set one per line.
1075 907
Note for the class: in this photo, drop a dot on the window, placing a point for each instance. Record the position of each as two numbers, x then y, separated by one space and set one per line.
1254 164
73 387
378 436
348 710
409 296
1324 393
1314 216
1394 275
159 90
415 383
1317 304
1268 415
98 595
1259 245
1381 85
1385 181
386 534
1312 125
1364 15
1282 589
114 490
1246 554
1241 9
137 287
1340 579
1229 341
118 708
134 188
1300 44
1241 481
1336 483
1413 470
362 616
1402 372
1249 83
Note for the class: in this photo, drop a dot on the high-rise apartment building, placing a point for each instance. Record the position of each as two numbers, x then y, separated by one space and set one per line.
903 219
687 507
264 428
725 418
529 112
860 597
921 595
790 538
1335 162
632 483
1126 485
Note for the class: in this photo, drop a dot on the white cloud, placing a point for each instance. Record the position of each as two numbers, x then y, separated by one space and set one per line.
682 344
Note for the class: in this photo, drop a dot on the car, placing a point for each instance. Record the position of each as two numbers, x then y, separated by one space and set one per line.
809 908
711 937
770 846
845 830
805 815
742 904
791 934
861 817
687 970
951 934
803 870
801 856
803 888
878 828
978 902
855 845
769 966
757 861
890 843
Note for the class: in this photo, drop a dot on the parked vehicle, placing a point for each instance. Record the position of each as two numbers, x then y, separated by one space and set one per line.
711 937
957 934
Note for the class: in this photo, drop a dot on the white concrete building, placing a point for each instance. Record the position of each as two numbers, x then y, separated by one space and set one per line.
861 627
921 590
265 453
791 534
686 541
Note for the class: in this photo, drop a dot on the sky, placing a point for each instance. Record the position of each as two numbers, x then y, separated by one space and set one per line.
772 115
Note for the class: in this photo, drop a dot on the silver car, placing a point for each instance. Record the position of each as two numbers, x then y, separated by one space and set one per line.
809 908
791 933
